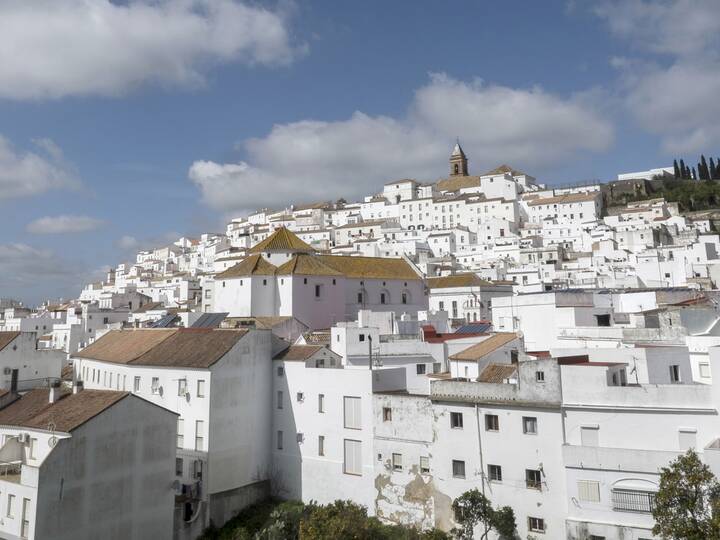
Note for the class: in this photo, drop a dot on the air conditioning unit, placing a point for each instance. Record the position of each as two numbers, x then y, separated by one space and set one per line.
23 438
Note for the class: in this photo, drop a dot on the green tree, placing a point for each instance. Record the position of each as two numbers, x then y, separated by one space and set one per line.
687 504
713 170
472 508
676 168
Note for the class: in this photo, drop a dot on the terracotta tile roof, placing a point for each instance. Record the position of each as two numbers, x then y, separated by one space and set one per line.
485 347
298 353
565 199
71 411
281 240
172 347
6 338
370 267
502 169
307 265
254 265
150 306
497 373
457 280
456 183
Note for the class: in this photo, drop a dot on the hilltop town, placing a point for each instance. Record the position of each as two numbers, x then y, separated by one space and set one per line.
552 346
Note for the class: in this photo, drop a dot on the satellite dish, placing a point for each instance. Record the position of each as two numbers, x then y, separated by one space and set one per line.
52 441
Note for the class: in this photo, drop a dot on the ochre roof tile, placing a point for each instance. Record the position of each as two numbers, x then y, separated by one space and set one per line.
281 240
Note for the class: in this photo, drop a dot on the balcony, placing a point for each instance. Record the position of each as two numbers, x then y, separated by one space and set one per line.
616 459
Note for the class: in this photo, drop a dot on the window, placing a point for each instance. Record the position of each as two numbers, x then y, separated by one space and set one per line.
687 438
404 298
529 425
279 440
387 414
33 448
456 420
397 462
631 500
317 291
536 524
704 370
201 388
588 490
458 468
492 422
675 373
540 376
424 465
361 337
321 403
533 479
280 371
155 388
420 369
321 445
352 412
199 435
590 435
178 466
603 320
495 473
10 502
353 457
359 298
25 524
300 396
182 387
279 399
382 298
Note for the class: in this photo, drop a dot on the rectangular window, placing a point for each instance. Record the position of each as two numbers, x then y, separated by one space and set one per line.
529 425
25 523
675 373
279 399
321 403
588 491
631 500
387 414
687 439
495 473
279 440
180 433
424 465
397 462
420 369
353 457
589 435
199 445
705 370
201 388
300 397
456 420
540 376
10 503
155 388
178 467
33 448
382 298
352 413
536 524
182 387
458 468
136 385
533 479
321 445
280 371
492 422
317 291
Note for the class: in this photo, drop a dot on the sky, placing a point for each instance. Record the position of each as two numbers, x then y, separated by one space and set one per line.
127 124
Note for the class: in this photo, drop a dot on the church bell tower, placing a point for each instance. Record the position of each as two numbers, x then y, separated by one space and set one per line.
458 161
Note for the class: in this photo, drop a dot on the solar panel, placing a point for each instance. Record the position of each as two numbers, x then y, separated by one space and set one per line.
165 321
477 328
209 320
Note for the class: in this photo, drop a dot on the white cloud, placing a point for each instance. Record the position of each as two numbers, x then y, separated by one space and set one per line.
127 242
315 160
674 95
63 224
56 48
30 173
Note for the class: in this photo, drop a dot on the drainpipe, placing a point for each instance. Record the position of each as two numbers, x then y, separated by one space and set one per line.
482 465
370 351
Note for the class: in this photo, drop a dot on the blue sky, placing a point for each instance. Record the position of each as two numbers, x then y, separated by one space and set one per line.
186 112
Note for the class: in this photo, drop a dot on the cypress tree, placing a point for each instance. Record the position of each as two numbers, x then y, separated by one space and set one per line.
694 174
713 170
683 170
676 169
703 168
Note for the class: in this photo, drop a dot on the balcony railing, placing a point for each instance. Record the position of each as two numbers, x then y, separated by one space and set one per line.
630 500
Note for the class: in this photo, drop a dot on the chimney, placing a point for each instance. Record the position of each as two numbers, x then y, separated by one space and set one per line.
78 387
54 393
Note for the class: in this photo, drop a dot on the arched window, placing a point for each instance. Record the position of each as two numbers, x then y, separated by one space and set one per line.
384 296
456 168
